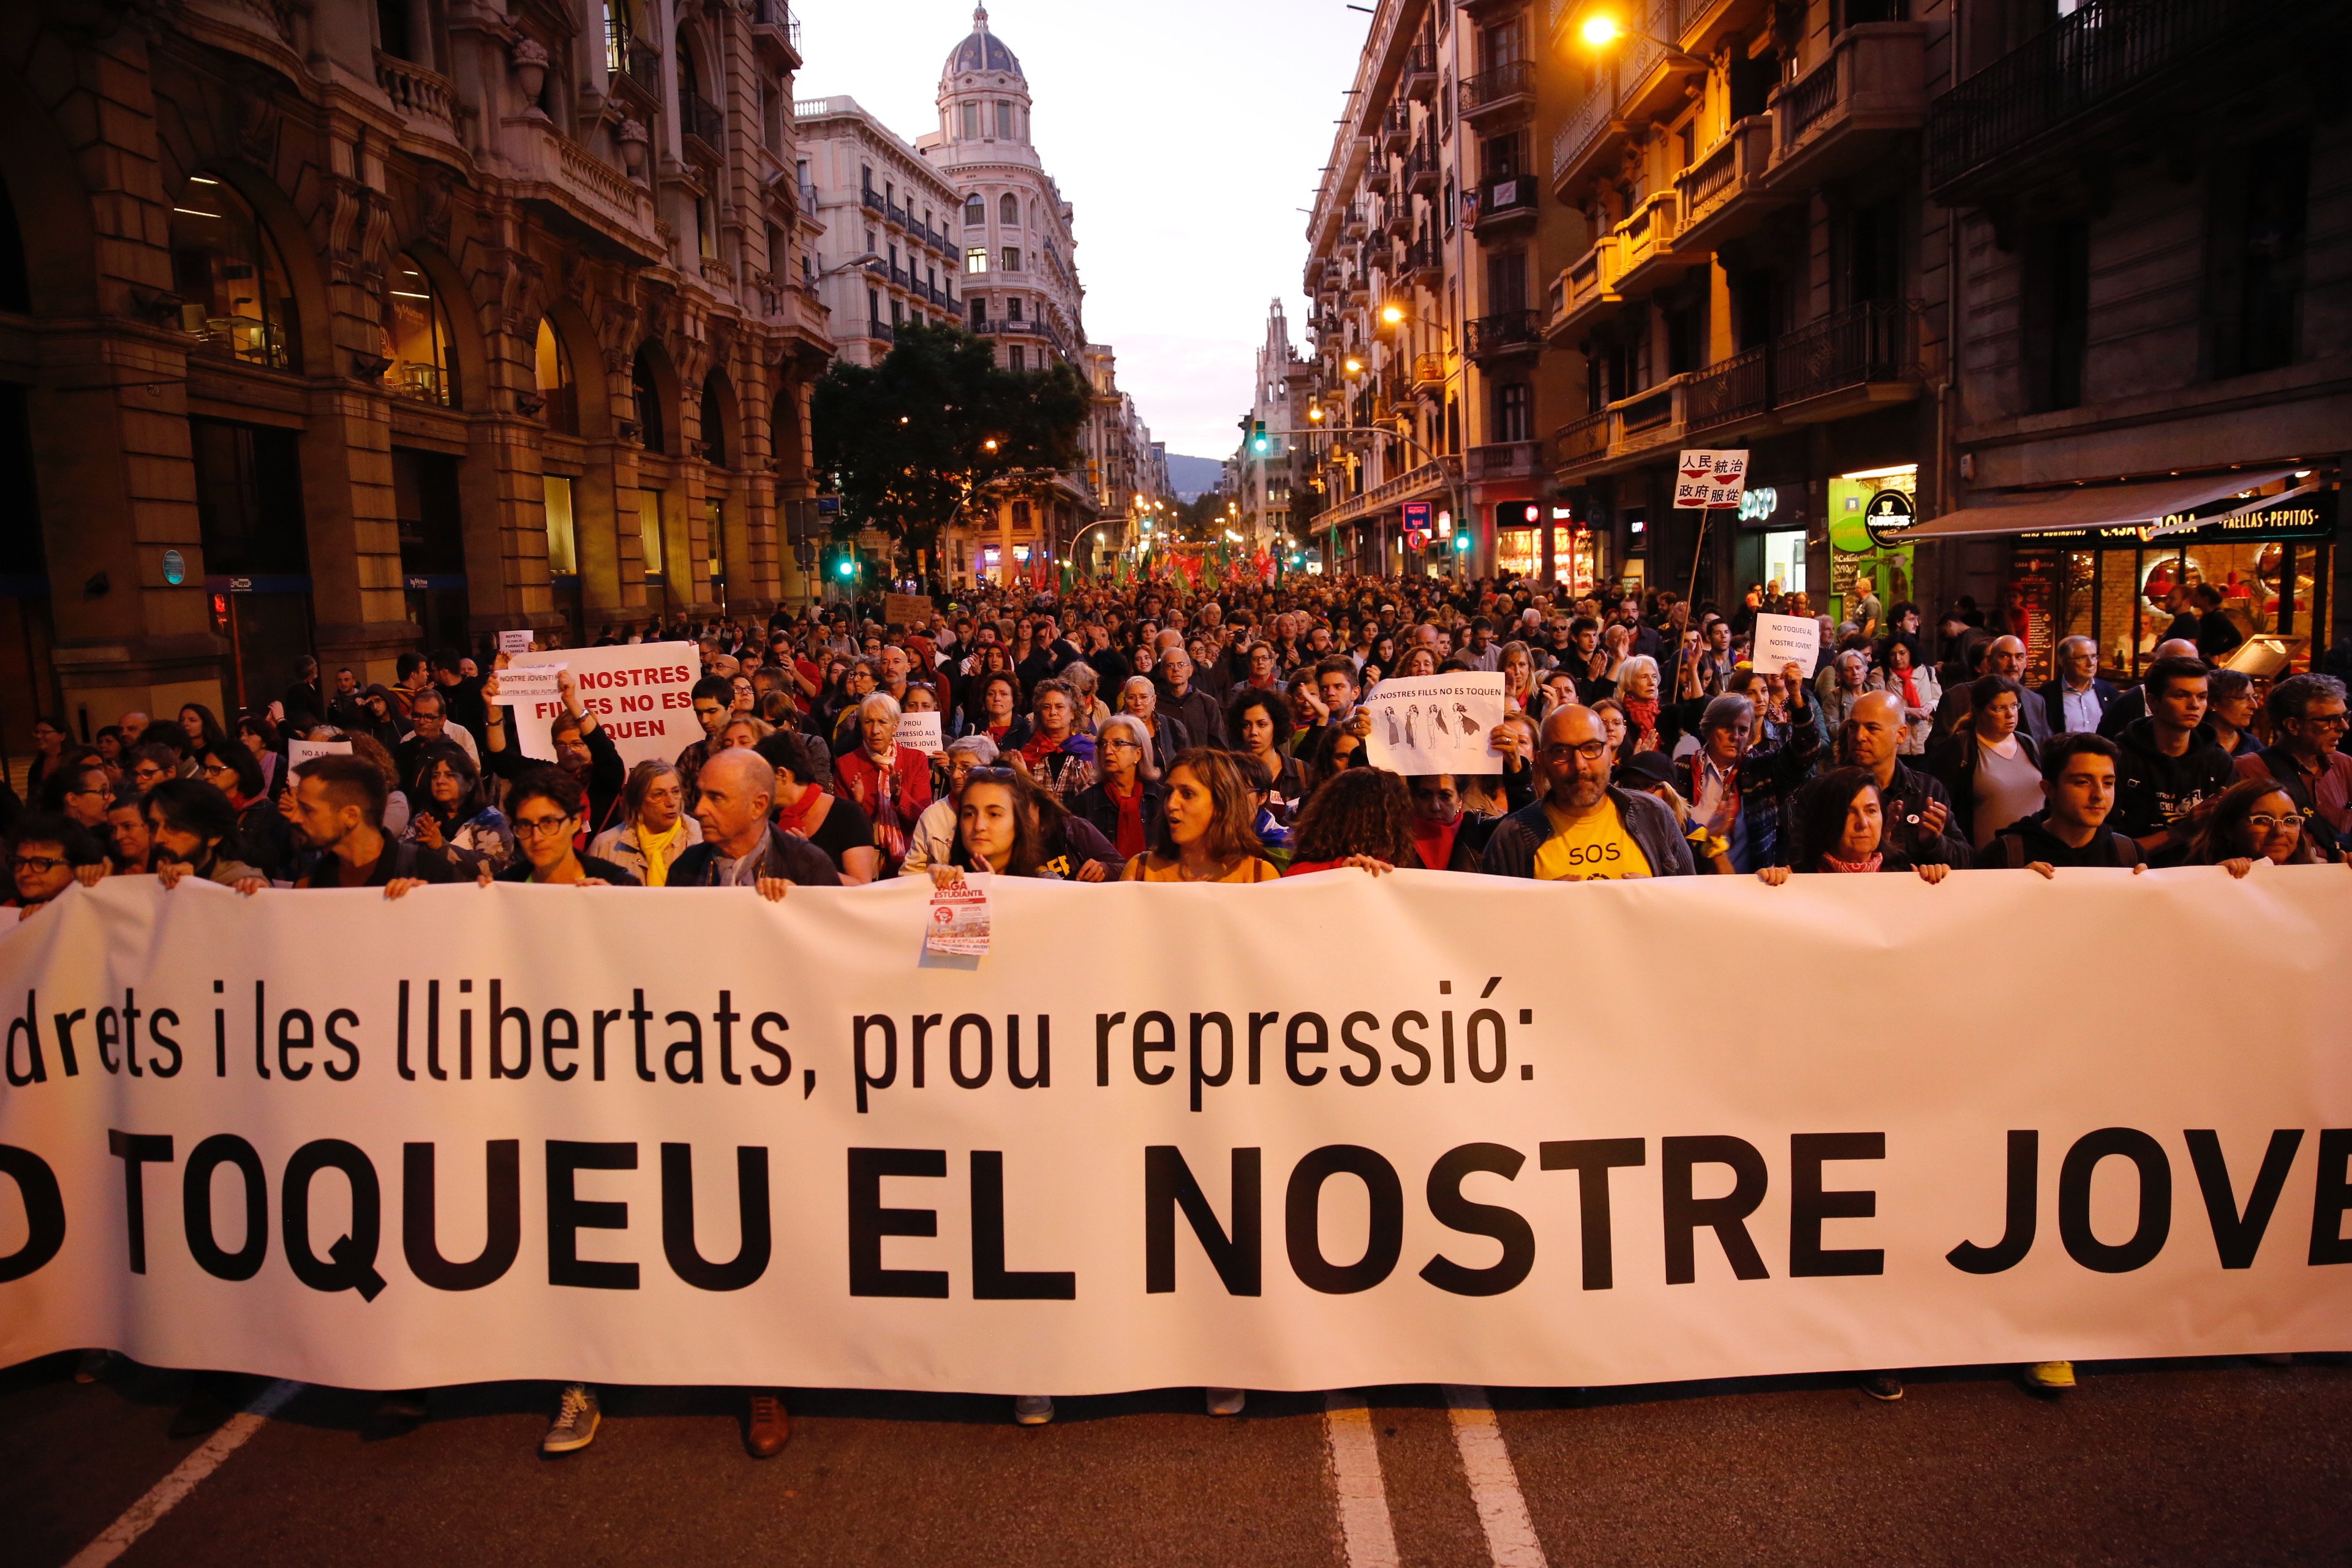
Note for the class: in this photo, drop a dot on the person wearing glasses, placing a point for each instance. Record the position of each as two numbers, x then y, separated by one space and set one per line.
1583 827
656 829
2254 821
2307 724
78 791
546 803
47 855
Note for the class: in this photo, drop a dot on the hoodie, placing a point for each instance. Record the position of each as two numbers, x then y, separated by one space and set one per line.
2154 791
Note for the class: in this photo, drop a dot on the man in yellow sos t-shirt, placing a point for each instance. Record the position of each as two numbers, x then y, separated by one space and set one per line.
1590 847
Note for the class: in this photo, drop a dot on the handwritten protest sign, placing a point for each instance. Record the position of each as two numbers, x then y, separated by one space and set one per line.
1436 723
1784 640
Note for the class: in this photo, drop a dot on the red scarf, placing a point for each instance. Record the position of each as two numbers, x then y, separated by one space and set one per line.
1643 712
1434 843
1129 836
1910 692
1832 863
793 819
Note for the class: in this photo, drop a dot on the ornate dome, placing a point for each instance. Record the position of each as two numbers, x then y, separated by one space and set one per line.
980 51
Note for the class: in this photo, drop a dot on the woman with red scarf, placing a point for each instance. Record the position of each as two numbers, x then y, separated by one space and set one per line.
1055 755
1916 685
1125 802
1844 816
890 783
1637 693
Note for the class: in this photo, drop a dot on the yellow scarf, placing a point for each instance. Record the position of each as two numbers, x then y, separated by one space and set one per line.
658 852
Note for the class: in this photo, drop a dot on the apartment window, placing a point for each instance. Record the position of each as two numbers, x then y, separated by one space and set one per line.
647 393
563 550
1499 46
559 398
1751 82
2254 279
979 313
1868 244
715 559
1684 330
1447 206
975 260
1019 358
976 212
1514 412
1499 156
894 259
1003 120
1507 282
1008 211
970 126
1012 309
871 244
649 536
2054 320
1013 258
873 305
865 176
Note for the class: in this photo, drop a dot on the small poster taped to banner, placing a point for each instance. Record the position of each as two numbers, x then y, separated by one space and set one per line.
1784 640
959 921
1436 723
530 686
1709 478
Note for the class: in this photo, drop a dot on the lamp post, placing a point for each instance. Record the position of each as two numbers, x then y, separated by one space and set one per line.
1394 314
1600 29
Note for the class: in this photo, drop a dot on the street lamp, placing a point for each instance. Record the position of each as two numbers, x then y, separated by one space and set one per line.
1600 29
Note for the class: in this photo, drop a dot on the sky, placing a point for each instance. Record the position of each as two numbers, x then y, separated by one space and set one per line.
1186 138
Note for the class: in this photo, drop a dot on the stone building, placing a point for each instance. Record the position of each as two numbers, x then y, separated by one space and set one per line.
876 198
357 327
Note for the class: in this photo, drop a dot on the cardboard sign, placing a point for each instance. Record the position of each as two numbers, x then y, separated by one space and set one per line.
1784 640
1436 723
920 732
958 922
1710 477
906 609
515 642
642 695
301 752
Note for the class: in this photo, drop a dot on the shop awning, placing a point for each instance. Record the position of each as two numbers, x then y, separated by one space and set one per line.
2093 506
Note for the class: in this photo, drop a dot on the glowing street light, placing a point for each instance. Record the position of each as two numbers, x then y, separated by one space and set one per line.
1316 414
1353 366
1392 314
1599 30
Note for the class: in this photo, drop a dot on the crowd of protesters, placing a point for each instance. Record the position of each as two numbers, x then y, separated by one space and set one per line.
1149 733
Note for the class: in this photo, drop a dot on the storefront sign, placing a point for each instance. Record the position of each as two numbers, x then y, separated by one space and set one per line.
175 568
1416 525
1757 506
2310 516
1888 516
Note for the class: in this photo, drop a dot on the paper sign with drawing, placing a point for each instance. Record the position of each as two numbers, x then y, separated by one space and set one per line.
1435 724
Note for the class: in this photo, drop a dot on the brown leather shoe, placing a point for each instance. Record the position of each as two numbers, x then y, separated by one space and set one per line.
769 1428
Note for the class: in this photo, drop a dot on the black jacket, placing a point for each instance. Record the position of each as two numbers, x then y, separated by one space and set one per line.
1095 805
794 859
2154 791
2021 844
607 776
2053 702
1202 718
402 861
1902 841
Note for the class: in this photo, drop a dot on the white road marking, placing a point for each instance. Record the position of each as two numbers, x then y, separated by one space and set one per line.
167 1493
1493 1483
1362 1499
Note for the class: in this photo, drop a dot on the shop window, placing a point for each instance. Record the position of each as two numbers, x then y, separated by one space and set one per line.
232 283
650 543
417 338
563 544
646 390
2055 318
559 394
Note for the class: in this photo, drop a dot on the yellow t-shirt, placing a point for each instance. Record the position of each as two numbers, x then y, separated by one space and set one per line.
1250 869
1597 850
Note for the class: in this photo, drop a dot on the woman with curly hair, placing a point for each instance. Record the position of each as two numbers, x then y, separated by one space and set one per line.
1363 817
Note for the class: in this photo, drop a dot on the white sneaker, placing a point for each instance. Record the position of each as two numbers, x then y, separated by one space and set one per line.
1031 1409
1226 1401
576 1420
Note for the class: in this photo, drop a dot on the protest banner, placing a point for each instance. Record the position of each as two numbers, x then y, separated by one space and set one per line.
1435 724
1784 640
906 609
515 641
301 752
1710 477
642 695
1417 1129
920 732
533 686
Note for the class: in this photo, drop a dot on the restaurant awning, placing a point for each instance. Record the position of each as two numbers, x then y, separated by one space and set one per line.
2133 505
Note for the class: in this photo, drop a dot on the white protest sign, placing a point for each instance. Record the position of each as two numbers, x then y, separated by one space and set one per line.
301 752
958 923
1784 640
531 684
1978 1197
919 732
1710 477
641 695
515 642
1436 723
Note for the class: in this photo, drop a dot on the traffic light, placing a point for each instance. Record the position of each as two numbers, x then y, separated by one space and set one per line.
220 613
1461 544
1260 443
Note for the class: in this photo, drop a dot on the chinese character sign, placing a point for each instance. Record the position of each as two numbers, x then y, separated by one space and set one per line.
1710 478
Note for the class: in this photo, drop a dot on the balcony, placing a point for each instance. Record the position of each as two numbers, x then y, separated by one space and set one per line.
419 94
1724 195
1396 218
1353 223
1506 89
1428 372
1419 81
639 67
1736 392
872 199
1580 441
1505 205
1422 171
582 197
881 332
1587 291
1396 128
1647 255
1872 88
1504 333
2110 55
1848 359
1425 262
1625 432
898 276
774 23
1380 174
703 119
1505 460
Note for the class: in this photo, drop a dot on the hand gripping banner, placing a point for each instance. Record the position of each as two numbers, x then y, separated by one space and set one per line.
1326 1132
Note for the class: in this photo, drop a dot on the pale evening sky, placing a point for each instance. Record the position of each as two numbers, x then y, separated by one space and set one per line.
1186 138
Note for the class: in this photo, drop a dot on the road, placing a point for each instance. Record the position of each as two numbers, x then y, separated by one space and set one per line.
2190 1462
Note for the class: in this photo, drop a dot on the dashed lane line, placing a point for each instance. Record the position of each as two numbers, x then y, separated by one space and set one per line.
167 1494
1361 1498
1493 1482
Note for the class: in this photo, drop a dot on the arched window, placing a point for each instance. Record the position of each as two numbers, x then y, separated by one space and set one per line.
976 212
1008 211
714 423
649 403
231 281
560 396
417 338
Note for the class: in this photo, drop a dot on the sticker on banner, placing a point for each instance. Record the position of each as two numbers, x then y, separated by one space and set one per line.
919 732
1784 640
1435 724
1710 477
958 926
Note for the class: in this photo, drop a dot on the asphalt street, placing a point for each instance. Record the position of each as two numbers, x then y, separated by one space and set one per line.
2198 1462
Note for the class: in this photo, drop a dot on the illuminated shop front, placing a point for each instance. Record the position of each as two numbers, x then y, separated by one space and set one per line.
1871 511
1580 553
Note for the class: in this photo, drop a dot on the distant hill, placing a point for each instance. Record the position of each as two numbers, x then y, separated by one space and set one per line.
1194 477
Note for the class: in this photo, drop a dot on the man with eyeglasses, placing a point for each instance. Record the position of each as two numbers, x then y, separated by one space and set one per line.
2308 726
1582 828
430 727
47 855
146 766
544 805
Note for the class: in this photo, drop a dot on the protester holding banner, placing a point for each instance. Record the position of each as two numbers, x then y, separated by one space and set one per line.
740 848
2307 715
338 810
130 846
1006 824
47 854
582 748
933 837
1363 817
1842 829
2078 790
191 828
655 830
1583 827
547 803
1204 829
2252 821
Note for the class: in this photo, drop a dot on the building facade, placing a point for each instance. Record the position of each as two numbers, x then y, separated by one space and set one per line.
885 257
350 328
1263 480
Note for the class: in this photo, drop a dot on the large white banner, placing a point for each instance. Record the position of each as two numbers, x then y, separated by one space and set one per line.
642 693
1326 1132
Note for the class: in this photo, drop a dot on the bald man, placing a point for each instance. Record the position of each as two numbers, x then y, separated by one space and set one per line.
740 848
2005 655
2132 706
1583 828
1914 806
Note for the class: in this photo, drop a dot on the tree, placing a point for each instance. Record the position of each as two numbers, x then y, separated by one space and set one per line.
912 442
